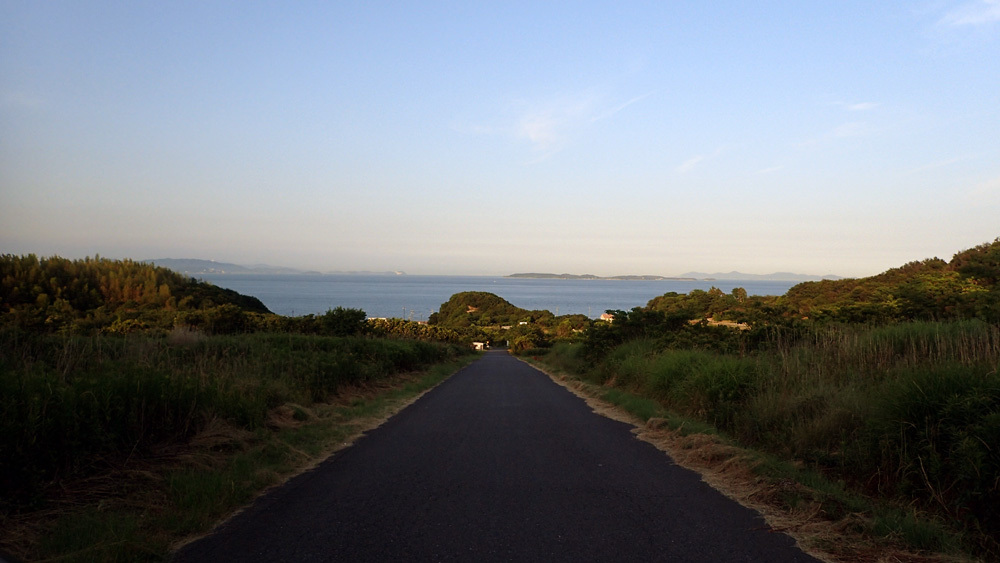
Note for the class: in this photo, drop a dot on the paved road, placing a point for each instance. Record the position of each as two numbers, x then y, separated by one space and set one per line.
498 463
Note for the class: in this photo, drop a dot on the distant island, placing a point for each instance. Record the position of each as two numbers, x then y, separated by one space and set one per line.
195 267
777 276
538 276
690 276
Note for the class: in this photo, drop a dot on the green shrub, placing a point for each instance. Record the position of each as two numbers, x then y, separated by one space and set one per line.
718 388
568 357
343 322
935 437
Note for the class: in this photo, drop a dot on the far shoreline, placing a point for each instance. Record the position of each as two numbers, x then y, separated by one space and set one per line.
539 276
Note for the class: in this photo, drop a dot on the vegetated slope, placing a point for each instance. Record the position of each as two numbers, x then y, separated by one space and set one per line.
58 294
932 289
888 385
965 287
485 317
480 308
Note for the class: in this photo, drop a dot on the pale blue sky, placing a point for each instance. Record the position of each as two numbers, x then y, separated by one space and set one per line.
841 137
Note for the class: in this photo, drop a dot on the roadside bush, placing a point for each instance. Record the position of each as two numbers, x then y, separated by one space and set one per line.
624 364
342 322
717 387
567 357
935 436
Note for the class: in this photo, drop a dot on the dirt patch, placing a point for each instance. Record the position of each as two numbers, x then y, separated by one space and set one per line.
729 470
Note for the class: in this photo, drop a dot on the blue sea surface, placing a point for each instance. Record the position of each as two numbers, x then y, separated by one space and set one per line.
416 297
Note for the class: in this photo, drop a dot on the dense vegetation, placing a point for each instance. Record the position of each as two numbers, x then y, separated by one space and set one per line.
73 296
489 318
97 295
66 400
889 385
932 289
105 363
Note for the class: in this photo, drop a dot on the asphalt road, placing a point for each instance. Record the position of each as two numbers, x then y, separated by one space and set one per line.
498 463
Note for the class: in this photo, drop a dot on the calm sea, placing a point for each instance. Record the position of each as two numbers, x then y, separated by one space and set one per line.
416 297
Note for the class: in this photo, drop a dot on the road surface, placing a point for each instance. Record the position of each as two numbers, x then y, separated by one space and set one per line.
498 463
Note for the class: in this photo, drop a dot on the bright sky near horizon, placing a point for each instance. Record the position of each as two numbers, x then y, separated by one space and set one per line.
609 138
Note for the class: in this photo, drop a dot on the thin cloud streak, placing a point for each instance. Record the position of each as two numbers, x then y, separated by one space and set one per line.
944 163
852 129
983 12
690 163
856 106
770 170
540 129
549 127
695 161
619 108
863 106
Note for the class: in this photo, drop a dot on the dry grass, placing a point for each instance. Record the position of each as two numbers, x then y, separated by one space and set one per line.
186 336
730 470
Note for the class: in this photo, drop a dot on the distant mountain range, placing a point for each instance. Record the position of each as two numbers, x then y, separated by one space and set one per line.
690 276
194 267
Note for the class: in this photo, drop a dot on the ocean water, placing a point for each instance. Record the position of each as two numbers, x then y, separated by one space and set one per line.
416 297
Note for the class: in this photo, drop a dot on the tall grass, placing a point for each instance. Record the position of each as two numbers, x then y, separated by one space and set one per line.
66 401
909 412
861 353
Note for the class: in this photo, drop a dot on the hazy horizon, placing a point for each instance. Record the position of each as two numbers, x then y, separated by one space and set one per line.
160 260
487 139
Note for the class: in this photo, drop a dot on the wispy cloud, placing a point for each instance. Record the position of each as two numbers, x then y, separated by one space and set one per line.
620 107
543 130
847 130
944 163
690 163
695 161
856 106
852 129
863 106
770 170
976 13
548 126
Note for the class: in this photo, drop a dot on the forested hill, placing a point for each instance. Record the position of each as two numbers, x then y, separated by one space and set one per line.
60 294
481 308
968 286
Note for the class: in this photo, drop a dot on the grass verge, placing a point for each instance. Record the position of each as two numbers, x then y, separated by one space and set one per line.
143 509
827 520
